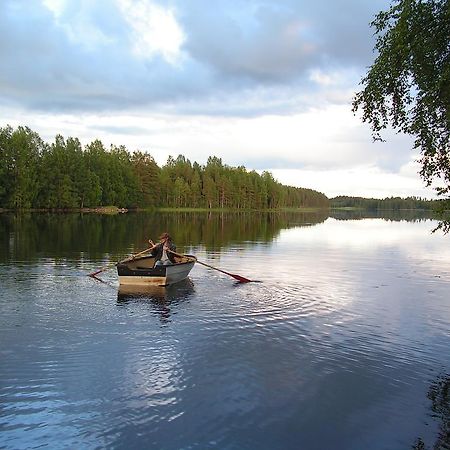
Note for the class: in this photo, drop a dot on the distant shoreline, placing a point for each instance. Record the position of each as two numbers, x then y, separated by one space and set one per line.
361 208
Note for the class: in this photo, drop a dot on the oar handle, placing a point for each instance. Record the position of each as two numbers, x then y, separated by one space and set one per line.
130 258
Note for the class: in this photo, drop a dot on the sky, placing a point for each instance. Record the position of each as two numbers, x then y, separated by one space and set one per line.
265 84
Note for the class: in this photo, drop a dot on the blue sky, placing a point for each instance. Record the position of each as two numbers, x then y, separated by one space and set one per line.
266 84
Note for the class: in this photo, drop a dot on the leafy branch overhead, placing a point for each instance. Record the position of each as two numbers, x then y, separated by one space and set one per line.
408 85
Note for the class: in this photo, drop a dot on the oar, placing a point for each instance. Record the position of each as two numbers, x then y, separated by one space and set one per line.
240 278
129 258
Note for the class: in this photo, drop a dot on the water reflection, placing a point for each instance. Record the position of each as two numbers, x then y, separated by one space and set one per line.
409 215
163 300
79 236
32 236
348 328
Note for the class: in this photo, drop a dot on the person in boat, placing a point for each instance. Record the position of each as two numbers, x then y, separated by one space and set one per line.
162 252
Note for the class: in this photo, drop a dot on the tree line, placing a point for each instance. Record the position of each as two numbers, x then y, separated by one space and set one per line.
65 175
388 203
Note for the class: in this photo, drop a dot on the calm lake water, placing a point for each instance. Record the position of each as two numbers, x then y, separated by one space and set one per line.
336 348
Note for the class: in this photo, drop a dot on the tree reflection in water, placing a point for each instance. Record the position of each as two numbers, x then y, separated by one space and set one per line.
440 407
96 237
32 236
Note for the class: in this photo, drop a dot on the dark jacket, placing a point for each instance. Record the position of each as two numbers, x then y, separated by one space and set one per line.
157 252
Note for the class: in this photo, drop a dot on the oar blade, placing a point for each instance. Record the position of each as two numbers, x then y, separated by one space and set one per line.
96 278
240 278
93 274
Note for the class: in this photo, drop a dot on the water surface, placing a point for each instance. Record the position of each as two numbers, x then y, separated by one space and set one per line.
337 347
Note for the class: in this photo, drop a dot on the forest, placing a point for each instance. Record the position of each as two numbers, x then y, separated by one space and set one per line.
65 175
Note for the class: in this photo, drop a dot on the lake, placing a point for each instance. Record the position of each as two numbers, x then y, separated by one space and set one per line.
339 346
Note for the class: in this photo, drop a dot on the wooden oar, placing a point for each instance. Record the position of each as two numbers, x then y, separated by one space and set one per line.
240 278
129 258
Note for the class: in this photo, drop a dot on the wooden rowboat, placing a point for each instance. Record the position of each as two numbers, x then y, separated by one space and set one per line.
142 271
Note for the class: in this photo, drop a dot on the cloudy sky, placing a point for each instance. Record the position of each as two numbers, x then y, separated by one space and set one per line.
266 84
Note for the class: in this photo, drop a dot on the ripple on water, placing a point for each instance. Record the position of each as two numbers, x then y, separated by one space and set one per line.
342 335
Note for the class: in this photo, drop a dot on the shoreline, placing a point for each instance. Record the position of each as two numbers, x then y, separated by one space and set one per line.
116 210
112 210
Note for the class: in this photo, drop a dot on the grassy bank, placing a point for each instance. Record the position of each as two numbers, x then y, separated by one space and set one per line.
309 209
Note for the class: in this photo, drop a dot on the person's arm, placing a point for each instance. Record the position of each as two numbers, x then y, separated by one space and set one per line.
171 247
153 247
172 252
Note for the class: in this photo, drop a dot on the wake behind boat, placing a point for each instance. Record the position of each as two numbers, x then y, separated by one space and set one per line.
142 271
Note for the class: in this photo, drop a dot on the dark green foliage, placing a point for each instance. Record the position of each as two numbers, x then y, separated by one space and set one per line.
59 165
408 85
147 174
63 175
20 153
217 185
443 210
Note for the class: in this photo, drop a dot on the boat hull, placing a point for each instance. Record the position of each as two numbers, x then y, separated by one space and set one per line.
140 271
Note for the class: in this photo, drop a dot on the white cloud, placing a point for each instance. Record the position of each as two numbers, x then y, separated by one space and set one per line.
155 29
78 23
321 78
263 84
364 181
55 6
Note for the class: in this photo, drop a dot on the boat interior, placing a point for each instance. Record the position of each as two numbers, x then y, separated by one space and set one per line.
148 262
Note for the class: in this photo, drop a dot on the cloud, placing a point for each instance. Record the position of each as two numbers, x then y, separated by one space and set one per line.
272 41
185 58
84 22
249 42
261 83
68 59
364 181
155 30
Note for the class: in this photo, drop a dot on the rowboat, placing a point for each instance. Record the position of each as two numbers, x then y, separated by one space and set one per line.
142 271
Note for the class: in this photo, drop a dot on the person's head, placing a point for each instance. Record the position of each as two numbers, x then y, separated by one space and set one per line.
165 237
